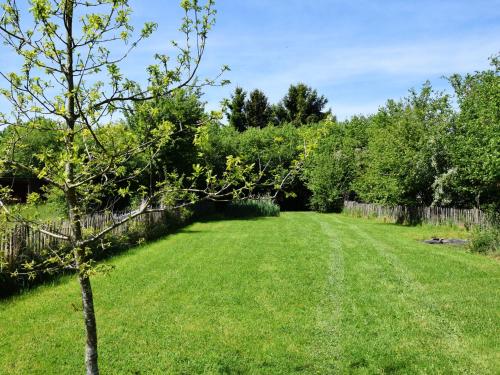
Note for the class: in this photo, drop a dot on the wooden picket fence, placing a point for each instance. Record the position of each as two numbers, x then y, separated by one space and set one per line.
25 241
407 214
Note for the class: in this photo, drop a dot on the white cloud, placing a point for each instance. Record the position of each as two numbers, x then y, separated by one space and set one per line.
331 68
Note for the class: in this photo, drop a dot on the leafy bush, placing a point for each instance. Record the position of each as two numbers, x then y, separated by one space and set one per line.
485 240
274 152
331 168
406 149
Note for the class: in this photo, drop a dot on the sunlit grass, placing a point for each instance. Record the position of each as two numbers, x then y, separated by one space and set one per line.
299 293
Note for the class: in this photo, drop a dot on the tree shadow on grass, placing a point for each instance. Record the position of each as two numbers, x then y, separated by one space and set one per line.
9 287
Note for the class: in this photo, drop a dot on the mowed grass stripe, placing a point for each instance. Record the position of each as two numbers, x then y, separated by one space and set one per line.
234 296
462 285
408 329
458 288
330 312
302 293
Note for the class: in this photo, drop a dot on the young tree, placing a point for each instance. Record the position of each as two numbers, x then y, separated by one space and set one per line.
70 74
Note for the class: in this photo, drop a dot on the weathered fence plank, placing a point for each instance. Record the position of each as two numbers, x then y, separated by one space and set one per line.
22 238
432 215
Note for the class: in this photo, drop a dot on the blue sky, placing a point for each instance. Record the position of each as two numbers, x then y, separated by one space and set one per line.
358 53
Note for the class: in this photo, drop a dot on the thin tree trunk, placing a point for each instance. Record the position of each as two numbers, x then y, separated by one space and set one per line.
91 355
72 198
90 326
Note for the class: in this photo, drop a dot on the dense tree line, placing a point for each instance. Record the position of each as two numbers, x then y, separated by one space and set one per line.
301 105
419 150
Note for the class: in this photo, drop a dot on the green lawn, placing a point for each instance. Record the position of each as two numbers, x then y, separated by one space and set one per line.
302 293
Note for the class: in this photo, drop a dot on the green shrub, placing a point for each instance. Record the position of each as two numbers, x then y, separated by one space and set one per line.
252 208
485 240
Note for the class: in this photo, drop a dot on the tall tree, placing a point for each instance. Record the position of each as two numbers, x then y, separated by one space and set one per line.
475 146
236 110
335 163
186 112
406 150
302 105
69 73
257 110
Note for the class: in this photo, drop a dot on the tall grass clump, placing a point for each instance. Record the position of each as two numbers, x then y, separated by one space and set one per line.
252 208
485 240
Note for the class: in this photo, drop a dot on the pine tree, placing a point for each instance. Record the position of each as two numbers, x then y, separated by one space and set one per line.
257 110
236 115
